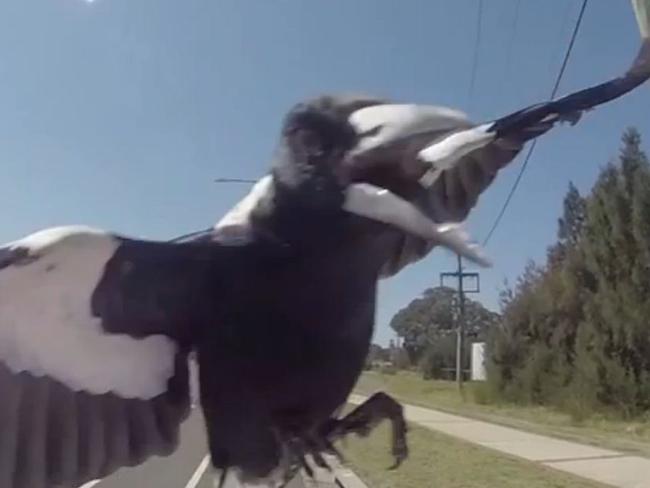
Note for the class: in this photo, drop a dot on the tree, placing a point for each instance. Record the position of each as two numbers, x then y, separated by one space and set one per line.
572 222
416 322
428 325
570 226
378 353
576 331
617 335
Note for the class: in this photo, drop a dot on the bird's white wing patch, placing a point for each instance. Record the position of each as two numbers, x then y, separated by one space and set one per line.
446 153
235 226
47 326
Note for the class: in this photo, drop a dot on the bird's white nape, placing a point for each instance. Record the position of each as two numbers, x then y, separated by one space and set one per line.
235 227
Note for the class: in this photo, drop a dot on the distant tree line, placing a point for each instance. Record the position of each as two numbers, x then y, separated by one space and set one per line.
387 359
575 330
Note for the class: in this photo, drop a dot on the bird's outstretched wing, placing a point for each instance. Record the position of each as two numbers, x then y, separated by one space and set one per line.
94 336
455 160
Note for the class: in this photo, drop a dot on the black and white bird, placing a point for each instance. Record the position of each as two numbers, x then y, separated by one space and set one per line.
95 328
278 300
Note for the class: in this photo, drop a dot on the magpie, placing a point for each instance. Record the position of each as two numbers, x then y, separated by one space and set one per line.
278 300
96 327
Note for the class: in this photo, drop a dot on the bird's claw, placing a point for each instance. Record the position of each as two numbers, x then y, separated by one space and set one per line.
312 445
399 450
363 419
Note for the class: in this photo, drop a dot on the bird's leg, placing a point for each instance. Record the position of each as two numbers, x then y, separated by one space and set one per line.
222 478
305 465
299 446
309 444
323 444
315 448
364 418
292 471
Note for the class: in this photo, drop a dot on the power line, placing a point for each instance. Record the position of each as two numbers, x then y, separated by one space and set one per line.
531 150
190 234
510 44
204 231
477 45
558 50
233 180
572 42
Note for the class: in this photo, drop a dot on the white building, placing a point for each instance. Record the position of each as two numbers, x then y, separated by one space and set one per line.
478 361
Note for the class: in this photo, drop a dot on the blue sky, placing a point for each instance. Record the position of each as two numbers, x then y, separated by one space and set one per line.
119 113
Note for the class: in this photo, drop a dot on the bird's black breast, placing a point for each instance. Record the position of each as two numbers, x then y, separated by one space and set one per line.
305 314
285 351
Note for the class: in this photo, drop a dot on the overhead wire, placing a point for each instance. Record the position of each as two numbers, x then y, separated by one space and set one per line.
477 48
188 235
531 149
510 43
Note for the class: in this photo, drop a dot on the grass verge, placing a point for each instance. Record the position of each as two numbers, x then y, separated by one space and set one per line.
598 430
440 461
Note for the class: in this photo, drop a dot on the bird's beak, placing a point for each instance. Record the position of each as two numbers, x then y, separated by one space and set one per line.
381 205
364 200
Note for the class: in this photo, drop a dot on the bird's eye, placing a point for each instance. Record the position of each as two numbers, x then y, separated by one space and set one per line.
309 141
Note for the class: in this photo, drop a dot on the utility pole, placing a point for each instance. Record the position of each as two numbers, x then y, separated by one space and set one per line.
460 313
460 326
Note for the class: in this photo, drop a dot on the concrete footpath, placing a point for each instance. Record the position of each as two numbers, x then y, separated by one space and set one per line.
593 463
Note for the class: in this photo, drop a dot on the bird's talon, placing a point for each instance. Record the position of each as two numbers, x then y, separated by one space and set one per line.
306 467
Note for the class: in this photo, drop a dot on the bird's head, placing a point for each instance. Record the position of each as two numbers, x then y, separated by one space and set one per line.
308 170
331 142
341 156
